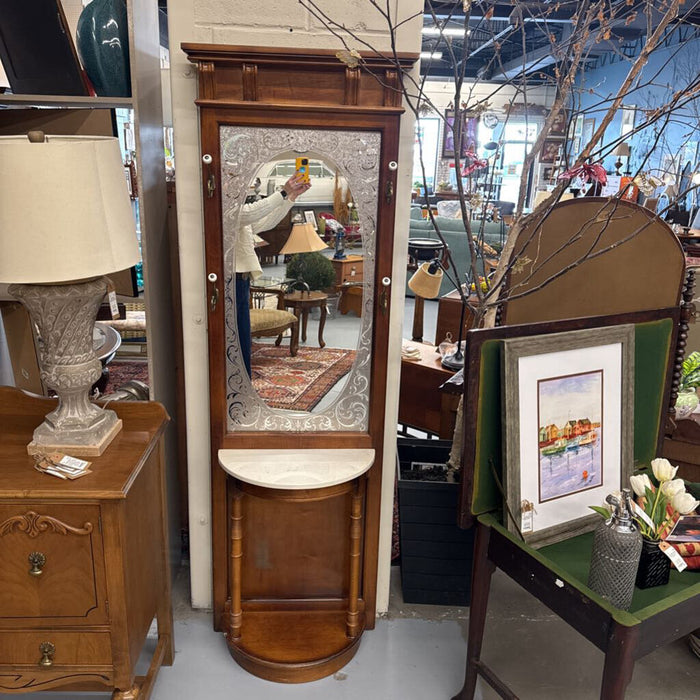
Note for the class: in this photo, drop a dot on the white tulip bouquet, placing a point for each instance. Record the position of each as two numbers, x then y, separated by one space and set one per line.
662 504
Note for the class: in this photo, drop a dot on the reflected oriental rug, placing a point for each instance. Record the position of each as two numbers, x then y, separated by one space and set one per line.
297 383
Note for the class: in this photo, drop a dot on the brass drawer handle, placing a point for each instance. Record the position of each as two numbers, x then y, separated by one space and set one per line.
37 561
47 651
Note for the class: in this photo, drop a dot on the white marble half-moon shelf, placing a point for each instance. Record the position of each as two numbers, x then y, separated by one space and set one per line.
296 469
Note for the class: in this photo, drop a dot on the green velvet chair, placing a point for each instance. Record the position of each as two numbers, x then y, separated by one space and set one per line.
557 574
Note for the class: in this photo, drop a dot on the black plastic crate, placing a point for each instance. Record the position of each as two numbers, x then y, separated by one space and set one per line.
436 555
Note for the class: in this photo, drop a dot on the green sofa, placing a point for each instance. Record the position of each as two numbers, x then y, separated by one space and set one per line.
455 235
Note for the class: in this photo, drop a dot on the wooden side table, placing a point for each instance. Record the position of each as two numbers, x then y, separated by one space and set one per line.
301 303
421 403
85 562
351 298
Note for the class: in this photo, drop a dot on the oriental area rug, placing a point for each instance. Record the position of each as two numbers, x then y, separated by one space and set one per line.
122 371
297 383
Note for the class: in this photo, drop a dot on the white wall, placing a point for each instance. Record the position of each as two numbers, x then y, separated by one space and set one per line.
226 22
441 93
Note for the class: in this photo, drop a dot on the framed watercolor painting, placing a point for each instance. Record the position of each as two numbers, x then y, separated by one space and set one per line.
568 401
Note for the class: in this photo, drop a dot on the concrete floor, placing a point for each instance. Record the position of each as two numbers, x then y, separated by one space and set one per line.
418 652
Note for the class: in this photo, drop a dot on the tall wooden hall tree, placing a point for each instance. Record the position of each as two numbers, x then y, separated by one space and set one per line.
295 540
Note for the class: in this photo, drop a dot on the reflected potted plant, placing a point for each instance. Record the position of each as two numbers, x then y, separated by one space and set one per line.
661 505
688 400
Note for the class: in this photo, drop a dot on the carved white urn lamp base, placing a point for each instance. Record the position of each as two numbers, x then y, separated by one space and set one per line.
64 315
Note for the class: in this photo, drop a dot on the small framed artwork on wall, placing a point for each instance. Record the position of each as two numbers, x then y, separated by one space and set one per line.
470 123
310 218
551 150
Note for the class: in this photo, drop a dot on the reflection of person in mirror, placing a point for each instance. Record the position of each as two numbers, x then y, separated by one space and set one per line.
255 217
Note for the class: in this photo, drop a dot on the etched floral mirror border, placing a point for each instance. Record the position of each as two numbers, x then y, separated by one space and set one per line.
357 156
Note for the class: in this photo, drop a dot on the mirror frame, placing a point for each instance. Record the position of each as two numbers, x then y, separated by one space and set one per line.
244 150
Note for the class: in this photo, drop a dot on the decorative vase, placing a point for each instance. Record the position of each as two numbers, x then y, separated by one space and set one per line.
686 403
654 566
617 543
103 46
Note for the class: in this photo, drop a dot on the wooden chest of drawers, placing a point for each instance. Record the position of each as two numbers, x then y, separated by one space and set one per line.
350 269
84 562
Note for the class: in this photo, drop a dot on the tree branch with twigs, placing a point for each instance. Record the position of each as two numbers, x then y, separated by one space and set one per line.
591 27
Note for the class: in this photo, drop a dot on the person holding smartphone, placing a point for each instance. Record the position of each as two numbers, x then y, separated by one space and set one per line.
254 218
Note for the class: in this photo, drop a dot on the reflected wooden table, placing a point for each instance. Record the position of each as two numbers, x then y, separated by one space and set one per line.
301 303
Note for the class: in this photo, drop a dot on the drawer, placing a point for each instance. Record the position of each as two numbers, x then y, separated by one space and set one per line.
52 563
25 648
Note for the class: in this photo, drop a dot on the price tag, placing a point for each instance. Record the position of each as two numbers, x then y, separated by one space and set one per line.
676 559
527 522
638 511
114 309
73 463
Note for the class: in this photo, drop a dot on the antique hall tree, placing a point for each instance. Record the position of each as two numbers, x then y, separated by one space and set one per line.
296 495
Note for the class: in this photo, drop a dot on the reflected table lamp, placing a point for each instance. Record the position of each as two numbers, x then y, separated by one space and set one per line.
65 222
302 239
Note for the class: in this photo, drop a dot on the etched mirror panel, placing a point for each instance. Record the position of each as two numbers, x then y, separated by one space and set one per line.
298 385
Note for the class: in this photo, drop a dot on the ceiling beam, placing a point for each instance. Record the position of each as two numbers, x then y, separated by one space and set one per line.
492 40
533 60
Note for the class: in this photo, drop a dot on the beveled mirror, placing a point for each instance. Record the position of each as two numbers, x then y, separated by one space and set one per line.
347 164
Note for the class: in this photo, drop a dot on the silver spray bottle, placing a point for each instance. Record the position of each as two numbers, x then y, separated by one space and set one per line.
617 545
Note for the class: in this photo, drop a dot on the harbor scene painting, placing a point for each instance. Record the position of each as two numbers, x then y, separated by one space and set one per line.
570 414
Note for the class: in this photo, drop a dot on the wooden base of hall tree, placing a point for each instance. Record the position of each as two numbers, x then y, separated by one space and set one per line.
315 552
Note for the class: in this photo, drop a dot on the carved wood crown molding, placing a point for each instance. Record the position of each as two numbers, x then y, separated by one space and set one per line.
242 75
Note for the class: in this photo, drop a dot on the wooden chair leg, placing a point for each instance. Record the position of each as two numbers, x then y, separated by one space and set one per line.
481 584
294 342
619 662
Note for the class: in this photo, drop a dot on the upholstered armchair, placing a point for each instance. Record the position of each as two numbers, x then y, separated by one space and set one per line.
267 323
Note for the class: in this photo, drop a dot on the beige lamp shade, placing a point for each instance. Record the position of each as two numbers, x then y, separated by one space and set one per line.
65 212
542 195
302 239
622 149
424 283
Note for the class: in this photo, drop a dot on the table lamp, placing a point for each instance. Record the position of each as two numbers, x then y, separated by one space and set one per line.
621 151
65 222
302 239
426 280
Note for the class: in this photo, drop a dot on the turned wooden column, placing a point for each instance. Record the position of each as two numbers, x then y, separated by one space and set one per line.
236 615
353 622
687 316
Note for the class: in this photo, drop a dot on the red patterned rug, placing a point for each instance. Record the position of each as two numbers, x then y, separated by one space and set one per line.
297 383
122 371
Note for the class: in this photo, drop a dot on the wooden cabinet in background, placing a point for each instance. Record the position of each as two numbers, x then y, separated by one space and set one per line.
84 562
449 310
348 270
